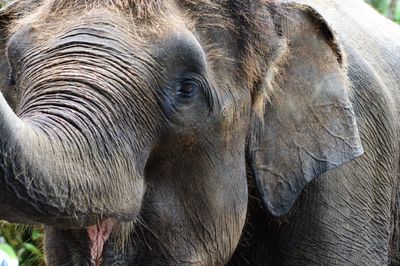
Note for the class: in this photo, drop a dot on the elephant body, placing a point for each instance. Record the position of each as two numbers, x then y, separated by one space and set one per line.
205 132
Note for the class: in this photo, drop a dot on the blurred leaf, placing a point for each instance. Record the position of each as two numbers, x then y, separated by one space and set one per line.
397 13
8 250
31 248
37 235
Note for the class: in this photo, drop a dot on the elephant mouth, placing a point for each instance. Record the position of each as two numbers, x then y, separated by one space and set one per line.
98 236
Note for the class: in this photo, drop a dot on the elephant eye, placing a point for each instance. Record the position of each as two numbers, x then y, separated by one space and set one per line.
11 80
187 89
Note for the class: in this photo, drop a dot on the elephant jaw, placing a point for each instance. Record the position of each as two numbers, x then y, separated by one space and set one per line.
98 236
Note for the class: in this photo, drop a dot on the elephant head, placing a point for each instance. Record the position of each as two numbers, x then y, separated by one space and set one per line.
136 120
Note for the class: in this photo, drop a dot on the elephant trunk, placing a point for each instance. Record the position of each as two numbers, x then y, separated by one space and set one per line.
53 171
86 122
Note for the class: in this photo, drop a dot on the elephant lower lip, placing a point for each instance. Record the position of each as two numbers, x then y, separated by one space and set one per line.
98 236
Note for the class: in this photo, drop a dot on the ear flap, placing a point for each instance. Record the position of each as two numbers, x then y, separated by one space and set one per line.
310 127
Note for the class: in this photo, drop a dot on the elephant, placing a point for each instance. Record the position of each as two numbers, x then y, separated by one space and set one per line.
207 132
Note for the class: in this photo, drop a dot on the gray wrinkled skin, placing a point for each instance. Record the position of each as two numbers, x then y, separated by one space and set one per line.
210 132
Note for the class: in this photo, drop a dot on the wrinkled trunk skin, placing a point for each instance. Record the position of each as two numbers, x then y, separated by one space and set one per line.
11 175
47 177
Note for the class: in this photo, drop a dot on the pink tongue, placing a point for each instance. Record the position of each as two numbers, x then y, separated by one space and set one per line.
98 235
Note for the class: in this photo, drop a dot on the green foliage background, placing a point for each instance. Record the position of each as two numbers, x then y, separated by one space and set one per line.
389 8
27 241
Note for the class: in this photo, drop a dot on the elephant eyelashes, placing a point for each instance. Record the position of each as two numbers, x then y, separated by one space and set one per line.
187 89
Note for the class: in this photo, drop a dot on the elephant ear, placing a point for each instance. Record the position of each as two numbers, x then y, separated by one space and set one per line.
310 126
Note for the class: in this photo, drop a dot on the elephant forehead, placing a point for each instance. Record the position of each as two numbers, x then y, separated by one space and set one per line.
92 44
171 42
139 8
180 51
